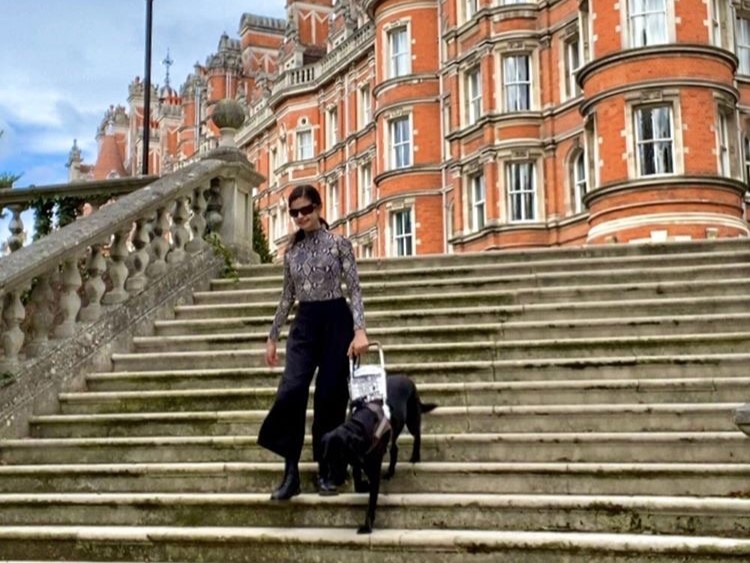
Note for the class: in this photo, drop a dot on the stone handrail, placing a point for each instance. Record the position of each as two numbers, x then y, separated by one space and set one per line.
18 200
125 244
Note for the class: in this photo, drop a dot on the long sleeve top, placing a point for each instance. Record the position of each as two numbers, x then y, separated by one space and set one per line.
313 271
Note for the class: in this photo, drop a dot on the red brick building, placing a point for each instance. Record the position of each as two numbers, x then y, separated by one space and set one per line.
461 125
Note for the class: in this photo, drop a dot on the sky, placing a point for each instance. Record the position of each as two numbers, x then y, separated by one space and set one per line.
64 62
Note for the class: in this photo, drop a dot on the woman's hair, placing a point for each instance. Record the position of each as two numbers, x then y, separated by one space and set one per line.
310 192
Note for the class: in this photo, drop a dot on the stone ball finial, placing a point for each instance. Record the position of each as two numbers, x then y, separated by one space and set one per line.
228 113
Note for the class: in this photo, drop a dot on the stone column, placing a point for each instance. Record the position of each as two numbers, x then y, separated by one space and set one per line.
236 183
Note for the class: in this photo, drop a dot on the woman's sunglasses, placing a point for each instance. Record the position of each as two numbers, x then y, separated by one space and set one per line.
306 210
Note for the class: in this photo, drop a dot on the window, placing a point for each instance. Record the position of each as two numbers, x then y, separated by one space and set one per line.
654 140
477 200
743 45
521 191
365 185
304 145
578 185
366 250
332 129
648 22
403 235
517 77
572 63
283 155
400 131
720 17
473 89
723 139
470 8
399 52
365 106
746 153
332 201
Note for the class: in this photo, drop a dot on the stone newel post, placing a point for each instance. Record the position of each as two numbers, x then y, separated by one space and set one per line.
233 195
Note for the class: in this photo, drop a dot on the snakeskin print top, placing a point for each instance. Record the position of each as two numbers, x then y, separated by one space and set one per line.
313 271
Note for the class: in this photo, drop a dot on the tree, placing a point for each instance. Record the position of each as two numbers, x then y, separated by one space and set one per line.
7 179
260 242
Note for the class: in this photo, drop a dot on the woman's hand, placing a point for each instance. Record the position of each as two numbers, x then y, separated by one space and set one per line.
271 357
359 344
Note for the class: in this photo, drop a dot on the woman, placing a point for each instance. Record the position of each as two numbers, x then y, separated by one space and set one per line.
324 333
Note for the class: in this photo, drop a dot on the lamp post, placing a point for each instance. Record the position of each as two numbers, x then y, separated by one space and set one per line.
147 92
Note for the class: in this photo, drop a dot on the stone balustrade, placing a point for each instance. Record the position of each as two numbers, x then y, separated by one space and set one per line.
52 286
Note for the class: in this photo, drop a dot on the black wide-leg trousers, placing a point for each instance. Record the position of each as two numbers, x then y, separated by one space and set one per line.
318 338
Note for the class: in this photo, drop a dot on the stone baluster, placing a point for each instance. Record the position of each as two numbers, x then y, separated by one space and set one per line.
13 337
140 257
180 233
214 217
70 301
94 287
118 271
42 316
15 226
198 221
159 244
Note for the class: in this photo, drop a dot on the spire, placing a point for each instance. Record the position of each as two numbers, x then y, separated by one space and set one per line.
167 62
75 154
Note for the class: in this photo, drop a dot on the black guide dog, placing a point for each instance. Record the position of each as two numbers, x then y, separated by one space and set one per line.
363 439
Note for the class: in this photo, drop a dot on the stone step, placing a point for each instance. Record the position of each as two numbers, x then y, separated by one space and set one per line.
314 544
479 350
536 418
572 392
702 265
193 319
731 250
613 367
245 289
382 329
271 275
672 479
581 513
468 331
435 297
572 447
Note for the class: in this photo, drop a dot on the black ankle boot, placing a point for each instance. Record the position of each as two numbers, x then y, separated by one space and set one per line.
326 485
289 486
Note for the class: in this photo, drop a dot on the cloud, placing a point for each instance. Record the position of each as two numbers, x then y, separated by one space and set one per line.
65 63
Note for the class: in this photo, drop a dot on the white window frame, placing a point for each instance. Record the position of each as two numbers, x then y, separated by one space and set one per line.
723 141
477 198
746 155
473 93
364 114
402 241
517 88
332 201
399 51
573 58
521 188
365 184
367 250
273 158
648 26
283 153
304 149
742 47
578 180
401 148
470 8
649 152
332 127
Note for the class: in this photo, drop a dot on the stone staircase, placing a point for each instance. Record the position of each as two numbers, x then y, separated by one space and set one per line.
586 414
